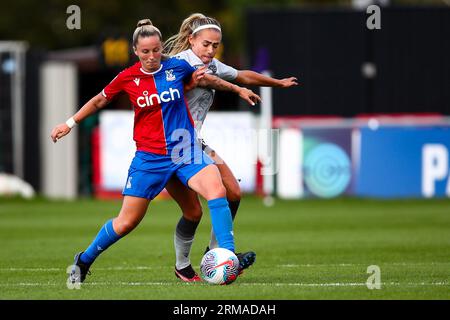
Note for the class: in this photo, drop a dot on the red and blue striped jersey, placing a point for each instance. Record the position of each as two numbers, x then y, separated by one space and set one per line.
159 104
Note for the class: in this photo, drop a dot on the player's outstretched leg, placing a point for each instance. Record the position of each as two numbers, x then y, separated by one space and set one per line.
83 260
132 212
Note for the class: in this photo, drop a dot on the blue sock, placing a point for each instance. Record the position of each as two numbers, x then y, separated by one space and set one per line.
222 222
106 237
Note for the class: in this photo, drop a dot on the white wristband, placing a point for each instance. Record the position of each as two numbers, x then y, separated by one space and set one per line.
71 123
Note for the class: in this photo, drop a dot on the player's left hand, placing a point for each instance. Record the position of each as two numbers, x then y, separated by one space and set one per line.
249 96
288 82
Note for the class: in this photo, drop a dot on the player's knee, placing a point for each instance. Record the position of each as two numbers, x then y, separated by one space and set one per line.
218 191
124 226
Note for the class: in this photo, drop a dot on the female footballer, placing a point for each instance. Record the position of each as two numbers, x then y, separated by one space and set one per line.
197 42
165 143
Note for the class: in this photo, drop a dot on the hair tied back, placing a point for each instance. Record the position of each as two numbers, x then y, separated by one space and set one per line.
144 22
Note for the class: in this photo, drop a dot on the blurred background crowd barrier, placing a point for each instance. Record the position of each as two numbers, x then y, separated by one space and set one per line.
370 117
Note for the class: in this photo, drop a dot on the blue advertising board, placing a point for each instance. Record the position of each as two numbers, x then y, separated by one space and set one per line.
396 162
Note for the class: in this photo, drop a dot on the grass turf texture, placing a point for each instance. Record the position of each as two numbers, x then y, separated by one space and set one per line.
311 249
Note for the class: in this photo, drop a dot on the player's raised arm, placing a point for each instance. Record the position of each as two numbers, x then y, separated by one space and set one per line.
217 83
252 78
96 103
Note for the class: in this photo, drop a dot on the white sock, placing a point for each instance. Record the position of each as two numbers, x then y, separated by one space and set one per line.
182 250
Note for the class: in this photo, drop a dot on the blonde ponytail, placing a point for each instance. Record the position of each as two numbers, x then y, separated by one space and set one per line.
180 41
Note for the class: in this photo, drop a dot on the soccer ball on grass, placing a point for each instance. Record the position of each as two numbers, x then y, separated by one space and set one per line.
219 266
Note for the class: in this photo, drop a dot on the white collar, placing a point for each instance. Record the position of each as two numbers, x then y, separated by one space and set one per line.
145 72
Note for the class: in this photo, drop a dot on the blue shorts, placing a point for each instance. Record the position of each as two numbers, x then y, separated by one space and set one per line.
150 172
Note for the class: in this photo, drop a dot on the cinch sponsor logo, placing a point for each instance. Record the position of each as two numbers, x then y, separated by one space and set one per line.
150 100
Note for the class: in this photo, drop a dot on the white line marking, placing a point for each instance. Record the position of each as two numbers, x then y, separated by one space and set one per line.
30 269
361 264
277 284
349 284
134 268
131 268
61 269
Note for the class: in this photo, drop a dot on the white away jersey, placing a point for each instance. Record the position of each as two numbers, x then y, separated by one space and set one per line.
200 99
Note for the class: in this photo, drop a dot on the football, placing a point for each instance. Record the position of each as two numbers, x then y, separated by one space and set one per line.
219 266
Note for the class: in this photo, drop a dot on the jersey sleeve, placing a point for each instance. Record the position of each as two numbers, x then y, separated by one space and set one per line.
186 69
182 56
114 87
225 71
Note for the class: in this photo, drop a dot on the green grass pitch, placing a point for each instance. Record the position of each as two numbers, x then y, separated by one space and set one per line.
310 249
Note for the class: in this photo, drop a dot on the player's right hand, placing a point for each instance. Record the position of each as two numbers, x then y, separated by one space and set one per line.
59 131
249 96
196 77
288 82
